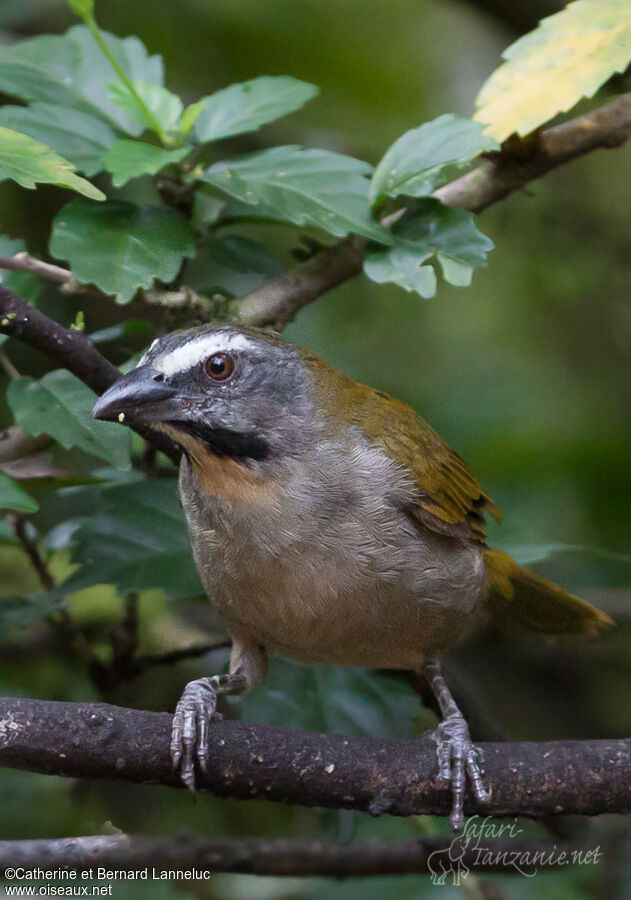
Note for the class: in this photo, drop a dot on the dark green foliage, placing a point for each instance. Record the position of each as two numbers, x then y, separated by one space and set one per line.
79 108
121 247
136 542
60 405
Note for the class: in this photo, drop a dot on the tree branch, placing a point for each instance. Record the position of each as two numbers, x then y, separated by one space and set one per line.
183 299
293 857
24 262
504 173
377 776
72 349
31 550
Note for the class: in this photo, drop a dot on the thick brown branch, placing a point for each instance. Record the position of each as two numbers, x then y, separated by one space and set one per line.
377 776
71 349
294 857
504 173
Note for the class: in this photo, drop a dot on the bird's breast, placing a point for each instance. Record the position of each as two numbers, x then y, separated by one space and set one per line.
328 569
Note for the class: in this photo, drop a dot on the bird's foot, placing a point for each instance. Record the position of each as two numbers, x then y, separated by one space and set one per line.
195 710
458 758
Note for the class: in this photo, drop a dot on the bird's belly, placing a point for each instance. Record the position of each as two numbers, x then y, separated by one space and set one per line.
363 587
322 608
355 630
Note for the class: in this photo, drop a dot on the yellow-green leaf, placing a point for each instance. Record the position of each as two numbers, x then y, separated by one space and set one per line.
28 162
569 56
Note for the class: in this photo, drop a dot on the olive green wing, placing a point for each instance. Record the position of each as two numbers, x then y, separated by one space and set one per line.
448 499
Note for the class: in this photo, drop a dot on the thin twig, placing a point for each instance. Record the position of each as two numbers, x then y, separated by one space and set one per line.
183 299
142 663
24 262
31 550
125 639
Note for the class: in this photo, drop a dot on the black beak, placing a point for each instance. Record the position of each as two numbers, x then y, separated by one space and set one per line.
140 396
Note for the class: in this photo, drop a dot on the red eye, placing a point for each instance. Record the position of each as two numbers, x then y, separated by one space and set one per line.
219 366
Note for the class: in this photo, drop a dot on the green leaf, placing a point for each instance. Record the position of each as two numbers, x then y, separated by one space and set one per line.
307 187
60 405
139 542
231 265
70 70
131 159
245 107
569 56
451 233
404 267
345 700
13 496
26 285
430 230
80 137
29 162
161 103
121 247
416 164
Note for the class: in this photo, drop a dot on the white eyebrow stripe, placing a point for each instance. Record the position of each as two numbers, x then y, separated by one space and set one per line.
143 358
197 349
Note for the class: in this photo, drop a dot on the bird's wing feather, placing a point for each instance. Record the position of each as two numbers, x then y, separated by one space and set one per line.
448 499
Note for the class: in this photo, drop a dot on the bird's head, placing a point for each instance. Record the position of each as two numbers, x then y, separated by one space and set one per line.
240 394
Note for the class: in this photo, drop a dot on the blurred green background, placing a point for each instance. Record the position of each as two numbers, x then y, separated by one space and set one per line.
526 374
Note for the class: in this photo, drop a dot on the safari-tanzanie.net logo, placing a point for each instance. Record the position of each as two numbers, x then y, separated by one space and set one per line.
483 844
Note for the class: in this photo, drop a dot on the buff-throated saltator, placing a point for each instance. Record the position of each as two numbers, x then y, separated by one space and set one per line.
329 523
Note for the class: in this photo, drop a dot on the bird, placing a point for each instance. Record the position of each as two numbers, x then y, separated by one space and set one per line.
329 523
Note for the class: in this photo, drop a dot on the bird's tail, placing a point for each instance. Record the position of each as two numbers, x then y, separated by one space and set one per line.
518 597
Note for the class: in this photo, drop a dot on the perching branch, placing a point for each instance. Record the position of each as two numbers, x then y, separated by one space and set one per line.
293 857
504 173
377 776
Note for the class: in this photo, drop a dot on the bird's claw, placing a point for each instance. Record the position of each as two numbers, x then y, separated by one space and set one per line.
458 758
195 710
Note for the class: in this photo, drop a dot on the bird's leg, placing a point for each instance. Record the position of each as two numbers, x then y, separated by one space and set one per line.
197 707
456 753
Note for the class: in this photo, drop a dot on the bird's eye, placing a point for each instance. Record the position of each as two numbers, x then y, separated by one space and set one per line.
219 366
